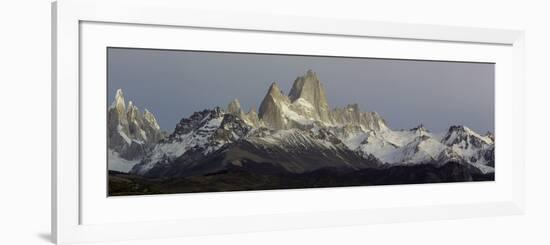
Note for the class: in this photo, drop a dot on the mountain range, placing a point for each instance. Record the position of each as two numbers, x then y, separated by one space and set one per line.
297 134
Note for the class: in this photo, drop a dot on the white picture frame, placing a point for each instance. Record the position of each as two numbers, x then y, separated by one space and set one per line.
69 198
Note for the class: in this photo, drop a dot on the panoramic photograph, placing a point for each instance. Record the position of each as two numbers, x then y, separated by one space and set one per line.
182 121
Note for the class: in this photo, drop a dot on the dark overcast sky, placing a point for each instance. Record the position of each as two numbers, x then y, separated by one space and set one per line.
174 84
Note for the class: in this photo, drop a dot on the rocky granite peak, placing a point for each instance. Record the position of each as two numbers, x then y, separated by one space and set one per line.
275 91
309 88
252 119
130 133
420 129
307 103
272 108
119 102
234 107
352 114
150 119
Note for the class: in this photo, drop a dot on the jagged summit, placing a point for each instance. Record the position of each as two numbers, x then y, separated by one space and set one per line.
119 102
464 136
459 128
307 103
274 94
305 87
352 114
272 106
132 112
129 131
150 119
119 95
456 133
419 128
309 88
274 89
234 107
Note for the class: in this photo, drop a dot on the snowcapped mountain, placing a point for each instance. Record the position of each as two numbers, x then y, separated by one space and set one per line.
419 146
307 103
194 138
473 148
296 133
212 140
130 133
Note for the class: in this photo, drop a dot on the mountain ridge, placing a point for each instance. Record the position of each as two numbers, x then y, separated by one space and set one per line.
300 133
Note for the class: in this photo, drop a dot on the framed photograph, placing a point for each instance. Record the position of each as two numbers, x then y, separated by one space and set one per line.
173 122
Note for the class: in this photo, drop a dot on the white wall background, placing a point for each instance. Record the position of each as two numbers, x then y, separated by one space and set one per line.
25 122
